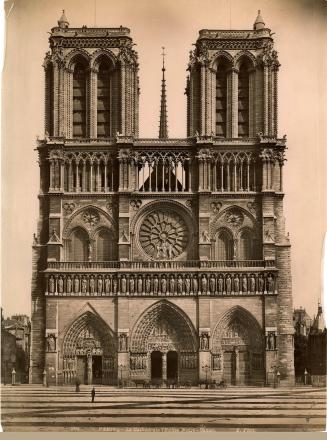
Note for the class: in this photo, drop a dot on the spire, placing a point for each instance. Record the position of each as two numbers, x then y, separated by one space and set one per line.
259 23
63 22
163 128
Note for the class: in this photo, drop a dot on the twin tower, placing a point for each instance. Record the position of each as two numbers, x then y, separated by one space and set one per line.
161 260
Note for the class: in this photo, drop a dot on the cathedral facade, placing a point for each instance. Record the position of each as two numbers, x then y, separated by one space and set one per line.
162 259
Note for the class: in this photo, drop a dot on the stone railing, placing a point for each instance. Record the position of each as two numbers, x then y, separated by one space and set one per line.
158 265
255 282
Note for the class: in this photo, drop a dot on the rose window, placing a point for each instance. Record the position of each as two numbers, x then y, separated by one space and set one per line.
163 235
234 217
91 217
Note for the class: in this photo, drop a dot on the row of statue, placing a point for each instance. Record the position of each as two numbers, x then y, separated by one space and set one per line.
162 284
138 362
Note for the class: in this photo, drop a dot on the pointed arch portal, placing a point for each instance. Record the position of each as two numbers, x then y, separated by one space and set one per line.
89 353
165 339
238 342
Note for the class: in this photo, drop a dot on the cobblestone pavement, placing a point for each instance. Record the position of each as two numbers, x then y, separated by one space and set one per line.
35 408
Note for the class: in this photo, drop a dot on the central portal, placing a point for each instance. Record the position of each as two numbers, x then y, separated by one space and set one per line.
156 365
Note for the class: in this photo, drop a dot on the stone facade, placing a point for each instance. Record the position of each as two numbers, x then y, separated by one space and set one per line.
161 259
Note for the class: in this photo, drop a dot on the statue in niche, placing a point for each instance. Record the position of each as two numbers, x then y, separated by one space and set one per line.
92 285
212 284
204 342
115 285
148 284
51 285
261 283
179 284
69 284
204 284
122 342
51 343
187 284
205 237
244 284
123 284
270 282
172 284
164 249
76 285
163 285
170 251
100 284
217 362
155 285
271 341
195 284
107 284
89 251
220 284
131 285
236 284
228 284
140 284
84 285
252 283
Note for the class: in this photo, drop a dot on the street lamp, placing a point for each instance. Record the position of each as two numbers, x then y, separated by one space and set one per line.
206 369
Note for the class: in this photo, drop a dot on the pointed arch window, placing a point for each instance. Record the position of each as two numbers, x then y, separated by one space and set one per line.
221 99
78 246
243 100
224 246
79 100
246 245
104 246
103 101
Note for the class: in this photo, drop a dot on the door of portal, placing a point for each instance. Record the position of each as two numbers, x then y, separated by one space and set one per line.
156 365
96 369
172 366
81 370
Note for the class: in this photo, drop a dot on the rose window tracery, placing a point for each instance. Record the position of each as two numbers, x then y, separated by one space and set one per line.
91 217
163 235
234 217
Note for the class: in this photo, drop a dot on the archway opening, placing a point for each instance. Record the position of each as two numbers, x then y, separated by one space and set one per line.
156 365
96 369
172 366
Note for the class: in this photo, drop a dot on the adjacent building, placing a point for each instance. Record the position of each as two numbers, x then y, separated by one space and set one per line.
15 345
161 259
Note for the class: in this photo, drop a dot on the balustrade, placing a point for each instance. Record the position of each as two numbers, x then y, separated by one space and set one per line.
158 264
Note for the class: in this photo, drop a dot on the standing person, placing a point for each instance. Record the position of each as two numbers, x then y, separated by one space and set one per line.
93 394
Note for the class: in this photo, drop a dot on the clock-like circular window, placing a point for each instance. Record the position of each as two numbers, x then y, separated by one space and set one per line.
163 235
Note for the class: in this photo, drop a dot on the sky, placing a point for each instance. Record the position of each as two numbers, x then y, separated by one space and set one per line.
300 28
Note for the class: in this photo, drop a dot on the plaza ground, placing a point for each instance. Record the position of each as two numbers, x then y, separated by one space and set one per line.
37 408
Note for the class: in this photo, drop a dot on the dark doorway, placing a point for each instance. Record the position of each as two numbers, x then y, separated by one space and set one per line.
156 365
97 369
172 365
81 373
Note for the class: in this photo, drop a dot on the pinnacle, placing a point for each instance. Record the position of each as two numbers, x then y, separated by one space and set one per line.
63 22
259 23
